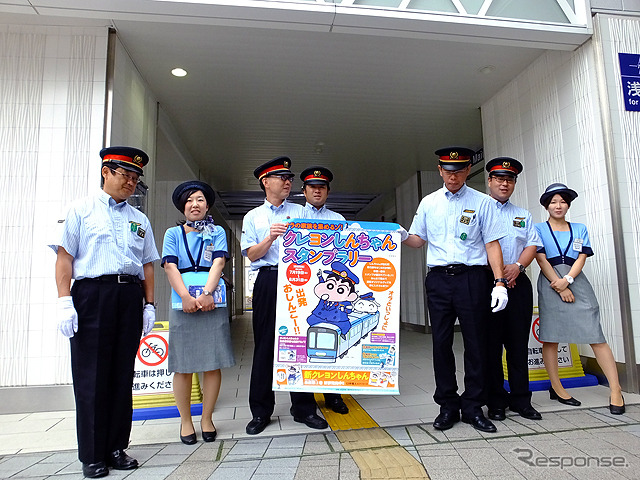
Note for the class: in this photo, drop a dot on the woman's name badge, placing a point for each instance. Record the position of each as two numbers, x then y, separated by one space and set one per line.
577 245
208 253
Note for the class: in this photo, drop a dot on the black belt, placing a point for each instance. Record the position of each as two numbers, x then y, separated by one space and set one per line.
269 268
116 278
455 268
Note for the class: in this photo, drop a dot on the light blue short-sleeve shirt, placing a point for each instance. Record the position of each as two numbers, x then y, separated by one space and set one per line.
173 247
573 242
322 213
257 223
521 231
105 238
456 226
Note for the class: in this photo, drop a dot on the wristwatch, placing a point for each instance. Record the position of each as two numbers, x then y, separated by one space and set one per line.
150 303
568 278
206 292
503 280
521 267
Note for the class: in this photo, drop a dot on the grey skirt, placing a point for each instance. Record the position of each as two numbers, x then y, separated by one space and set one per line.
200 341
562 322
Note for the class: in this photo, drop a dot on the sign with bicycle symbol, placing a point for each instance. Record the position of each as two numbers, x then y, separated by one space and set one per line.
535 349
152 374
153 350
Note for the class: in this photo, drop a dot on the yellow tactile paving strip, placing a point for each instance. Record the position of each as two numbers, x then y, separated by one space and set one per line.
388 463
356 418
375 452
378 455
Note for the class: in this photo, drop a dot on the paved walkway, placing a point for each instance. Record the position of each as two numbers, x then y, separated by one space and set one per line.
567 443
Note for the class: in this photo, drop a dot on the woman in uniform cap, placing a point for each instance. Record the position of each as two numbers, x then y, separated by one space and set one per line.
199 333
569 310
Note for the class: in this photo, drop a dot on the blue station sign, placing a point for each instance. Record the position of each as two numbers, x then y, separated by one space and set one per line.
630 74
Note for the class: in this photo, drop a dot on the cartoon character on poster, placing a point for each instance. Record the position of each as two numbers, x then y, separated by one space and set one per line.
293 375
388 359
336 294
366 304
338 327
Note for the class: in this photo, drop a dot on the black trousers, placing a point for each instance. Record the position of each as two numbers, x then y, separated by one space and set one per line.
510 327
465 296
103 353
261 395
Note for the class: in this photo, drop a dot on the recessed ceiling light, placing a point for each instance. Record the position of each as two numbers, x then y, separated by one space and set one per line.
179 72
487 70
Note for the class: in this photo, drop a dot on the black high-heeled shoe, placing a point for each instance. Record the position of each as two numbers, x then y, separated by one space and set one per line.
188 439
616 409
567 401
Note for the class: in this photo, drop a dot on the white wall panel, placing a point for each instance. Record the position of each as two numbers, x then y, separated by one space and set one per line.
47 94
622 35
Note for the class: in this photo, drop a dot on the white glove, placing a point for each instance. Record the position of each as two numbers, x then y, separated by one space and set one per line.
499 298
148 318
403 233
67 316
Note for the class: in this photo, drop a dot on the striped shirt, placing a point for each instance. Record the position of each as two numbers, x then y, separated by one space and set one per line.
456 226
322 213
105 237
256 226
521 232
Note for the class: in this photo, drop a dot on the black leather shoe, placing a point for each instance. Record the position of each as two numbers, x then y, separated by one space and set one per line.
257 425
95 470
446 420
121 461
480 422
337 405
527 412
497 413
567 401
188 439
312 421
209 436
616 409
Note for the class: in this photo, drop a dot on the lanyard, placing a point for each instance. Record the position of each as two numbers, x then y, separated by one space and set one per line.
194 265
563 255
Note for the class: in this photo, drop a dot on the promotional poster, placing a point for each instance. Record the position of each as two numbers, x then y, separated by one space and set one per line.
337 320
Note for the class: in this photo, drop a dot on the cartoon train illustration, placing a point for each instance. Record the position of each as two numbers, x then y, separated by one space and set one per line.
325 343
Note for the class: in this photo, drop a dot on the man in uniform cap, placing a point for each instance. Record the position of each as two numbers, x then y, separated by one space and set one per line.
262 228
510 327
462 231
316 183
107 247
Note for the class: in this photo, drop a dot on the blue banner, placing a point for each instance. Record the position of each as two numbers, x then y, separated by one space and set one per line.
630 74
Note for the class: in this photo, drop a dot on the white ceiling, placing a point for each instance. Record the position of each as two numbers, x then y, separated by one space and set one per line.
372 107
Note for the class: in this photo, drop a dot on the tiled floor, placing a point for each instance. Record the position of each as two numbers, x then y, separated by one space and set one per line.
569 442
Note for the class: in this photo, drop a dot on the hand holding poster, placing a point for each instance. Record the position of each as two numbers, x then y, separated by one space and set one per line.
337 325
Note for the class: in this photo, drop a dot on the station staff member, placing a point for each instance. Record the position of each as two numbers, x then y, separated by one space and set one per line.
107 247
316 183
260 242
461 229
510 327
